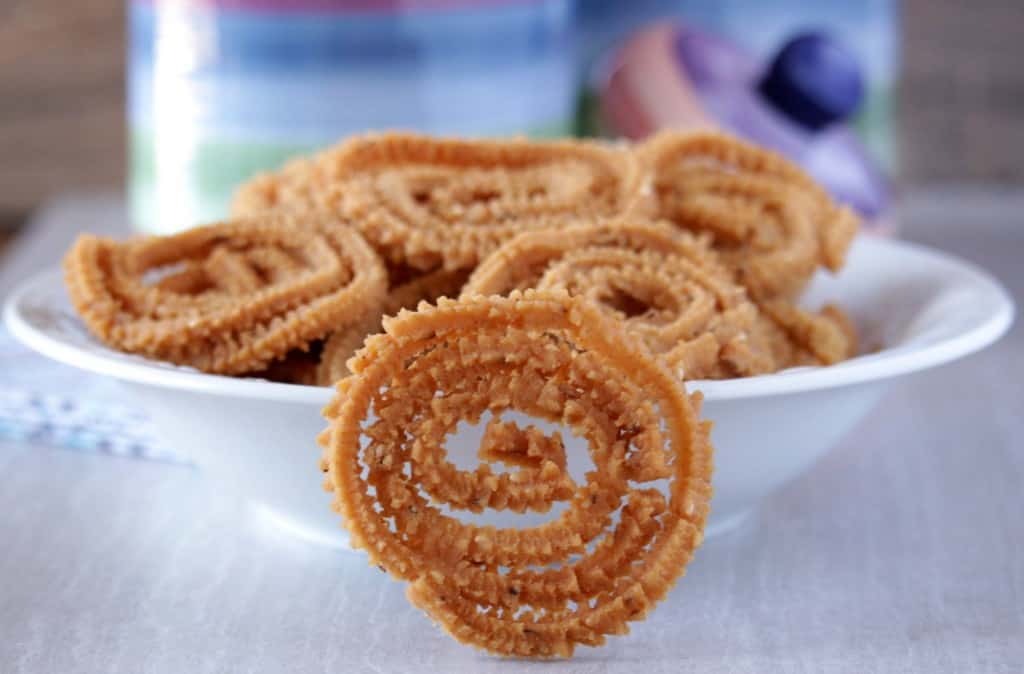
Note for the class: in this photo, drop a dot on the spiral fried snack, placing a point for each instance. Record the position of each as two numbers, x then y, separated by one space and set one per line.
538 592
665 287
425 202
770 222
227 298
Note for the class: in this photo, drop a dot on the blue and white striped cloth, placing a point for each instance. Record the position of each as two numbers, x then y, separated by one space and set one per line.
46 403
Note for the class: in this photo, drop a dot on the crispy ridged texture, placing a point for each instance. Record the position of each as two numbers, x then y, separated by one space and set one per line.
769 220
425 202
822 338
665 287
411 289
435 209
424 287
540 591
228 298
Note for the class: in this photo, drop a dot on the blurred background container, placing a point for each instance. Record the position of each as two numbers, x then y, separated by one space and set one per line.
238 101
814 82
221 89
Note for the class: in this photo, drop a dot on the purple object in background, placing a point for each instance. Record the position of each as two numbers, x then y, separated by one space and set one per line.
798 108
674 75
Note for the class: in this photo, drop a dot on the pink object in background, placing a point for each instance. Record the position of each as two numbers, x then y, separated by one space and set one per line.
645 91
673 75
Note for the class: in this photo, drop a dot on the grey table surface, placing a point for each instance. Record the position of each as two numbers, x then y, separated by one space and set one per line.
901 551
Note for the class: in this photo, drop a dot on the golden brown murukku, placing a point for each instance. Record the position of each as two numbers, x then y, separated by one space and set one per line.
629 528
435 208
771 223
227 298
665 287
425 202
788 336
293 187
800 337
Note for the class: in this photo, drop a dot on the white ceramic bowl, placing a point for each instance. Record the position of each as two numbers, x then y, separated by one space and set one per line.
914 308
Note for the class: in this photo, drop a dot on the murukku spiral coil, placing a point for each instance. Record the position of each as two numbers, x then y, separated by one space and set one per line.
630 527
227 298
423 201
664 287
769 220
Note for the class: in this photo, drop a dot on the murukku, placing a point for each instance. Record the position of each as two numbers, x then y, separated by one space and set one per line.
770 222
665 288
800 337
296 186
629 527
228 298
426 202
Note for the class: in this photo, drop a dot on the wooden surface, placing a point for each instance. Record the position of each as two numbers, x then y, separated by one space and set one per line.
901 551
62 95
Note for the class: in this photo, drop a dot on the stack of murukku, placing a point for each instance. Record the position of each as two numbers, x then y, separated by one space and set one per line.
701 244
459 217
445 282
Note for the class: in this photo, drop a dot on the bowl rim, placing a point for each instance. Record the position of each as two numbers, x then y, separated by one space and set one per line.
883 364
